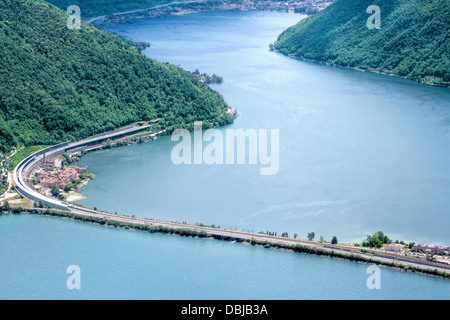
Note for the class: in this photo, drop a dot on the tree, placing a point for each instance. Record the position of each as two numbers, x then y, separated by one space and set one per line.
322 240
295 235
67 158
377 240
383 238
311 236
55 191
6 206
334 240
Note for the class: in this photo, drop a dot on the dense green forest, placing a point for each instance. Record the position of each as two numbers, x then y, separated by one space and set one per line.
413 41
59 84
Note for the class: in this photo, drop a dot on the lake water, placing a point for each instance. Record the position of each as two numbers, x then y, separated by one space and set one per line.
118 264
359 153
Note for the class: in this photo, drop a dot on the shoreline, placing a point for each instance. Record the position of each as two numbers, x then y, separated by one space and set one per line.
356 68
178 8
135 15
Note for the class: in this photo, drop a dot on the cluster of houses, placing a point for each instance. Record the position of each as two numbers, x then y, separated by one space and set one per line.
52 174
291 5
294 6
425 248
419 247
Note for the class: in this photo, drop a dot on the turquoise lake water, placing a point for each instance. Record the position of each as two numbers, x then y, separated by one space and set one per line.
118 264
359 153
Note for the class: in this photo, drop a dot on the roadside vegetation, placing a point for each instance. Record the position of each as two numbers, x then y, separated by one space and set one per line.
3 186
377 240
23 153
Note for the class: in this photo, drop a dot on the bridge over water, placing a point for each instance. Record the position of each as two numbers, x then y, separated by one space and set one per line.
25 168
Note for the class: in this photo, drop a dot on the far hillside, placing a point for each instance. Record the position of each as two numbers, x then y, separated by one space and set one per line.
94 8
413 41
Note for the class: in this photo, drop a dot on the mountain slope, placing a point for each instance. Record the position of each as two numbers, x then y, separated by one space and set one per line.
58 83
413 42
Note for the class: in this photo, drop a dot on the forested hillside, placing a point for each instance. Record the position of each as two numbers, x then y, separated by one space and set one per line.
413 41
58 83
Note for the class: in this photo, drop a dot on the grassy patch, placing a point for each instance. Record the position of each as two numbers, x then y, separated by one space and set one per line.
22 154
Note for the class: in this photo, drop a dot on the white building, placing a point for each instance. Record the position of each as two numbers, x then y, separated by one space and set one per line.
395 247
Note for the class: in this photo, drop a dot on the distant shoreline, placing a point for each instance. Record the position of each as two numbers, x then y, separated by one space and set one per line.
357 68
205 6
179 8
